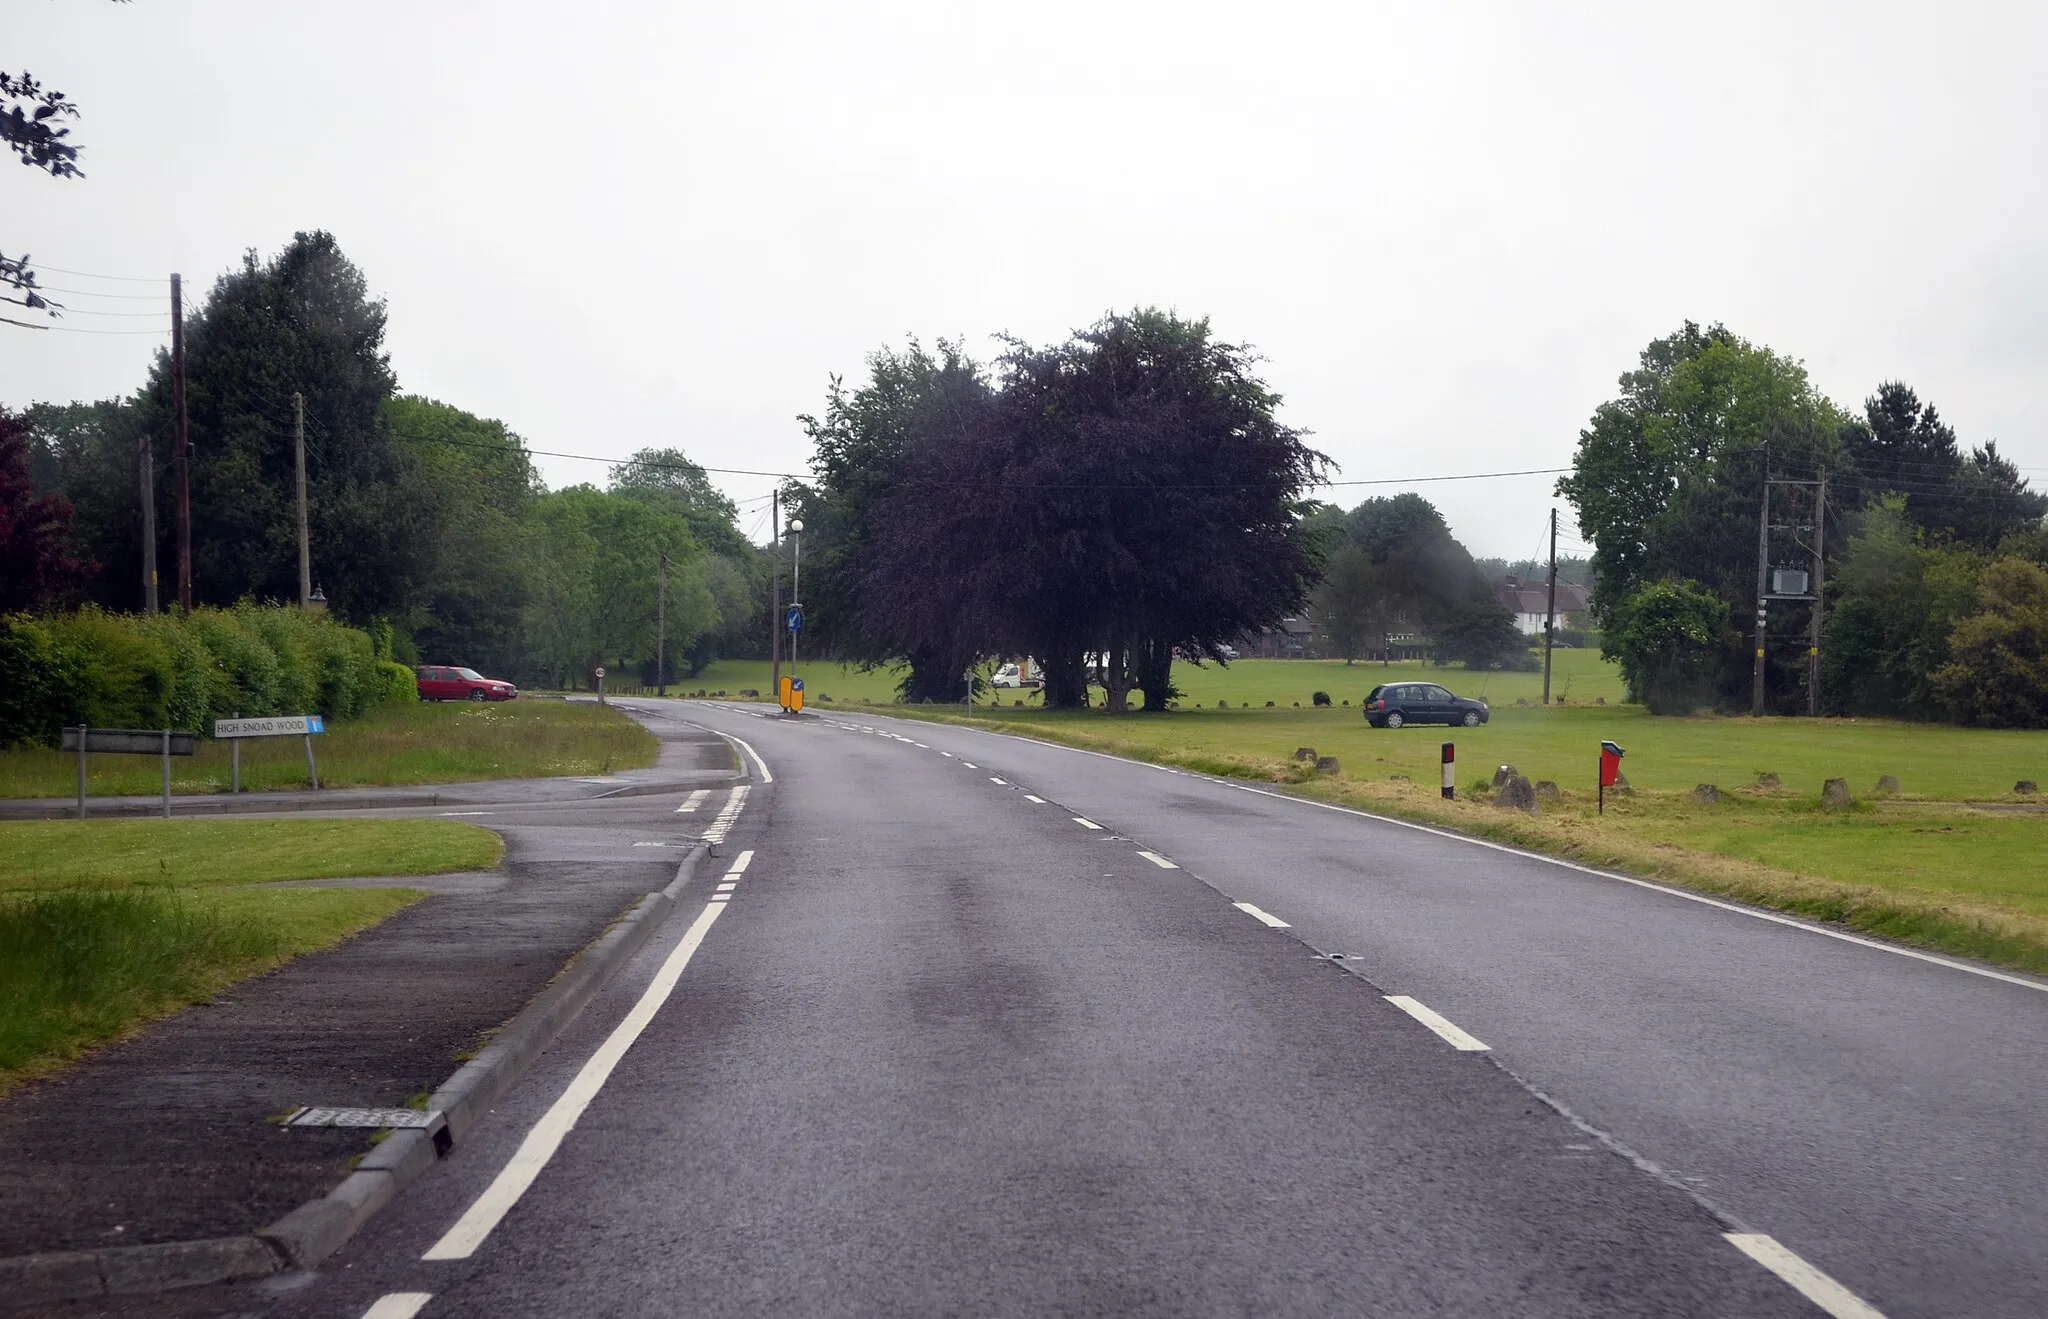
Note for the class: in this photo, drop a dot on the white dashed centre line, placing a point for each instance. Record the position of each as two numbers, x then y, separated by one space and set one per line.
949 755
1039 800
718 897
444 815
740 863
398 1305
1266 916
1159 860
1442 1025
696 800
1802 1277
993 779
970 764
727 887
1086 824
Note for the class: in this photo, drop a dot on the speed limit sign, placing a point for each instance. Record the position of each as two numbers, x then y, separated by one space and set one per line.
600 670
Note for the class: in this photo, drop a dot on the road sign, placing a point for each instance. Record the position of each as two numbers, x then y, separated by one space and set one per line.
129 741
794 617
600 670
284 725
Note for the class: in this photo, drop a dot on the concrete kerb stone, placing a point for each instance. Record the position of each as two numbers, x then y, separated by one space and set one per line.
316 1229
70 1275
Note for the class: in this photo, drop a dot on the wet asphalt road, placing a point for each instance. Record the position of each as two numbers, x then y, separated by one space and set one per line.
948 1050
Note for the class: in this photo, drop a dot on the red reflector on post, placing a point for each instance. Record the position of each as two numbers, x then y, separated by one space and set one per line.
1450 770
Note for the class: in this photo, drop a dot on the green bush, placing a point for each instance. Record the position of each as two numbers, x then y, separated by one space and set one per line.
399 684
1668 639
183 670
1999 676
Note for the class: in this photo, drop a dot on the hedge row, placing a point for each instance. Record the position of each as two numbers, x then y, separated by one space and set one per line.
183 671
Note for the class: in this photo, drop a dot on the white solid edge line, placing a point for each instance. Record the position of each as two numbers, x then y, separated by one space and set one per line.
1158 860
1802 1277
1266 916
1442 1025
1984 972
740 863
1086 823
462 1240
397 1305
759 763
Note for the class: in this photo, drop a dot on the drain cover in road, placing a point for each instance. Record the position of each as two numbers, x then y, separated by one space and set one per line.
362 1117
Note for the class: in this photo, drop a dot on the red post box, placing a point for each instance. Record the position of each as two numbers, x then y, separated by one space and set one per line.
1610 771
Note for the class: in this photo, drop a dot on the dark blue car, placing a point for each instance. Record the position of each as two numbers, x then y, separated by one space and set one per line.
1399 703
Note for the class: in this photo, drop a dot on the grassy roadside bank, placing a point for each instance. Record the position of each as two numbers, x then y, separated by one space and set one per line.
392 745
106 926
1928 871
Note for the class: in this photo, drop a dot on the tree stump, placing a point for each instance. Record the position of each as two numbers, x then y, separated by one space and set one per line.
1706 794
1548 791
2025 788
1767 782
1888 785
1304 753
1503 774
1835 792
1327 765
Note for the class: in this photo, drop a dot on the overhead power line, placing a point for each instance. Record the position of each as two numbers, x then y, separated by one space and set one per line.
87 274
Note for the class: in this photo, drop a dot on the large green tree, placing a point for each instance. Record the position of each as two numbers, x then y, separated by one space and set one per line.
301 321
1668 476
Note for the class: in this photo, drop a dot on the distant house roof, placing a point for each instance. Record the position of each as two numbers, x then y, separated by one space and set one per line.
1536 599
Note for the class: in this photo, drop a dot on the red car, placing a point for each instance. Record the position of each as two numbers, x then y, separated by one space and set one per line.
439 683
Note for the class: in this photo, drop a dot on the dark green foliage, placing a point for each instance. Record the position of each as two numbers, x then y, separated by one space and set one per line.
302 321
1481 634
37 568
1998 677
182 672
1898 599
1671 639
1903 448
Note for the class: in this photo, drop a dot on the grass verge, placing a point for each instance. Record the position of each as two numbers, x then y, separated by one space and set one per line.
1947 878
392 745
106 926
50 854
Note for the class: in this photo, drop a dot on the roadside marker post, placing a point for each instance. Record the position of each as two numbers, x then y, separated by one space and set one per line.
287 725
127 741
1450 771
1610 771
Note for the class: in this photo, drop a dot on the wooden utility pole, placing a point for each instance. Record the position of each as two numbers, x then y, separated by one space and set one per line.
1763 586
146 461
1550 618
775 594
661 632
180 450
299 456
1820 568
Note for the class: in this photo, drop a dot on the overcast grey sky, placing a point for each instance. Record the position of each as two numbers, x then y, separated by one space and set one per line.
1449 227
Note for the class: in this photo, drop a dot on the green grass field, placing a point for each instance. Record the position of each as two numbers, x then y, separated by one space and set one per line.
108 925
432 743
1578 678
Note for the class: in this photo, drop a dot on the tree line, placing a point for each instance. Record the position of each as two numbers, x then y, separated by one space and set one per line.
1934 556
424 518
